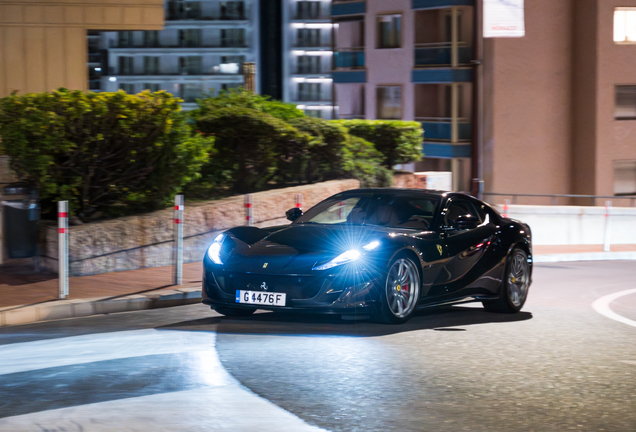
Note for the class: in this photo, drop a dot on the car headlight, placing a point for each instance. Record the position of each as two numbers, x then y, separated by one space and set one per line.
214 251
343 258
347 257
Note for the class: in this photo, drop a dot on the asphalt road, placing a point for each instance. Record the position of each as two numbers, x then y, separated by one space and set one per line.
558 365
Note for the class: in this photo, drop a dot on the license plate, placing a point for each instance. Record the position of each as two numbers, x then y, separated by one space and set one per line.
260 298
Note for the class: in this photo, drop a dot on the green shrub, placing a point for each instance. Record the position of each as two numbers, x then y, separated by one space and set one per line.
324 156
398 141
246 99
103 152
251 147
363 162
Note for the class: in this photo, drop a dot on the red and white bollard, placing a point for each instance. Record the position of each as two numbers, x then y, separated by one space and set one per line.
249 210
606 237
299 201
506 206
178 237
62 224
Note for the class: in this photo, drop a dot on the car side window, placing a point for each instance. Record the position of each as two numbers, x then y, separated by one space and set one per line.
459 208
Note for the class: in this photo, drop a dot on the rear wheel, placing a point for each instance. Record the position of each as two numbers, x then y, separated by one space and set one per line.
514 287
401 291
234 312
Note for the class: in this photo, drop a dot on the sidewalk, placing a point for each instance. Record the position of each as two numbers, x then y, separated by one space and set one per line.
27 297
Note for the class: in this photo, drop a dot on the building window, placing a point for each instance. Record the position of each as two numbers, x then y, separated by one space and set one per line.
308 64
625 25
151 65
190 92
308 38
309 92
306 10
128 88
190 38
233 38
232 10
126 65
389 102
625 108
151 38
180 10
389 31
125 39
313 113
190 65
153 87
625 177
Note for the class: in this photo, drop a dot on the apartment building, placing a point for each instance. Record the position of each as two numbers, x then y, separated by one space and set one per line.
410 60
307 56
559 104
201 49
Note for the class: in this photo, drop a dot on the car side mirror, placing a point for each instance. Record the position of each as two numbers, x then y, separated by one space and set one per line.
293 214
465 222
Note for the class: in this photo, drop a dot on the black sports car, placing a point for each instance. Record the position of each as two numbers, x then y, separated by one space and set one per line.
373 252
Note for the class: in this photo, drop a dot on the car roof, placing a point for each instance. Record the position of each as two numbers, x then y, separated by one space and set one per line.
406 192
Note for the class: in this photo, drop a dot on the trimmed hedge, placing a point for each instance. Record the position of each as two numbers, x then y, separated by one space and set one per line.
110 153
399 141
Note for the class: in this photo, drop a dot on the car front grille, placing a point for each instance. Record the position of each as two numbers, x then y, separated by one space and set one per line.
296 287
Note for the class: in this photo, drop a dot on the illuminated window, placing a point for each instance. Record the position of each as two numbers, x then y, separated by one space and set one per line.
625 25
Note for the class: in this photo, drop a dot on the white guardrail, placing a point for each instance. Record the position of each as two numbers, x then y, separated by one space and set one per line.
576 225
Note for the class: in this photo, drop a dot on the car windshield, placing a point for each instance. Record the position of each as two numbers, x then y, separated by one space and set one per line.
367 209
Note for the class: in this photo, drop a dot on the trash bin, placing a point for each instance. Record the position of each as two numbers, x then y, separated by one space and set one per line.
20 220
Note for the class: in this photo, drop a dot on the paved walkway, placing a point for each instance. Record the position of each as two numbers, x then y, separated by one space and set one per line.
27 296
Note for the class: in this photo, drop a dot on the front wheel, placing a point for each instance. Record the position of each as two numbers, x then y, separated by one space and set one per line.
514 287
401 291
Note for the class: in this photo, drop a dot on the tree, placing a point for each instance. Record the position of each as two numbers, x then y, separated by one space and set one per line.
108 152
250 146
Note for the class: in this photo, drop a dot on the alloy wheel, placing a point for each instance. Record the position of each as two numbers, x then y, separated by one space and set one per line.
402 288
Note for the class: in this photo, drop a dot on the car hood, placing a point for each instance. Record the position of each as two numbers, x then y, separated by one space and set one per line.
298 248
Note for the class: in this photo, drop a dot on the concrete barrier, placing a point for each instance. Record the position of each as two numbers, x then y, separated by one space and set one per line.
144 241
576 225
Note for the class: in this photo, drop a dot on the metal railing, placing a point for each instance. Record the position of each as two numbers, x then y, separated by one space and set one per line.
554 198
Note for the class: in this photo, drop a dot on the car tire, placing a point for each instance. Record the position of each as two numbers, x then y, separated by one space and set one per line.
401 291
514 286
234 312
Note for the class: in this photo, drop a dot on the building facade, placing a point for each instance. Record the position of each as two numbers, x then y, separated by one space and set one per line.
410 60
559 104
307 56
201 49
43 44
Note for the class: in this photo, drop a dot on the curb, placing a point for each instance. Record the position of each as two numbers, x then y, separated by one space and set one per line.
585 256
62 309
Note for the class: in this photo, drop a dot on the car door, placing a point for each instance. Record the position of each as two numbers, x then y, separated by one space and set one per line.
464 247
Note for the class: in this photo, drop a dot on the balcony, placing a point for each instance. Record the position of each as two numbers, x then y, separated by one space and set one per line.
187 71
144 48
434 4
441 54
195 11
349 59
440 128
348 7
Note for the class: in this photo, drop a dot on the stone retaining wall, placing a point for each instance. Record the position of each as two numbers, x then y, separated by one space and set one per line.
147 240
